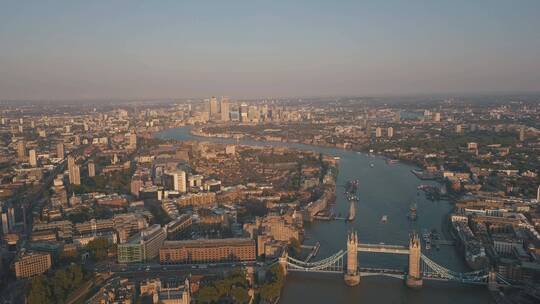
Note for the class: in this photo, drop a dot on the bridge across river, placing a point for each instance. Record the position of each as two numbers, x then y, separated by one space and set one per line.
420 267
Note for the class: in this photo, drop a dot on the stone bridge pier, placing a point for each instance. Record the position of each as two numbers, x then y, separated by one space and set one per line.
414 276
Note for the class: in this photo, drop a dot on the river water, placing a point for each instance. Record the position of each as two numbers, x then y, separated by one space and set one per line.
383 190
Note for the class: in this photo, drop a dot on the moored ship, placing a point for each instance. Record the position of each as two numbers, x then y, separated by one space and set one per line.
351 187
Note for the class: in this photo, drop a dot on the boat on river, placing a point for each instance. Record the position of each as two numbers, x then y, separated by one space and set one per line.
352 212
412 212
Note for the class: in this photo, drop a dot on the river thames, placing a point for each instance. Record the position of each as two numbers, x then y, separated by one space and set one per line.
384 189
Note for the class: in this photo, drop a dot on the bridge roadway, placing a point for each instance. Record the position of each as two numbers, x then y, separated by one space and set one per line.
370 272
383 248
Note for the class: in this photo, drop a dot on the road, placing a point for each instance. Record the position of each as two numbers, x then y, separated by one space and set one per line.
152 270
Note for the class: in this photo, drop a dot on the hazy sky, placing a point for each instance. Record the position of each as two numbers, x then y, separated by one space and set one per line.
160 49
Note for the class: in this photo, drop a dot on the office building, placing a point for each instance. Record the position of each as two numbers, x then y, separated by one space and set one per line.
5 223
437 117
175 180
378 132
234 114
207 251
390 132
244 109
32 158
143 246
74 171
21 151
225 109
91 169
76 175
195 181
253 114
178 226
60 150
133 140
30 264
205 199
214 106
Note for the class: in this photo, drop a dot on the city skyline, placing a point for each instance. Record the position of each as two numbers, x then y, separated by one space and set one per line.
121 50
259 152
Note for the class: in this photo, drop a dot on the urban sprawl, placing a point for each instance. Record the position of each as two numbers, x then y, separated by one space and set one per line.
97 208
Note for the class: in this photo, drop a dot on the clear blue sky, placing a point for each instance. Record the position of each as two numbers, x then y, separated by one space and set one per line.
160 49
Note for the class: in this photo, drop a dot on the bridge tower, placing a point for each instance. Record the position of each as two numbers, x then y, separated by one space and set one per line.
283 262
414 277
352 277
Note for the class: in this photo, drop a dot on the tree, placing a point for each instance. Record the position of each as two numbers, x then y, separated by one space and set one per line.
60 284
270 291
76 274
207 294
55 289
295 247
240 295
39 292
223 287
277 274
98 248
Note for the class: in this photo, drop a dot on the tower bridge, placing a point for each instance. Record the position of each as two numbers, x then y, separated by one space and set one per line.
420 267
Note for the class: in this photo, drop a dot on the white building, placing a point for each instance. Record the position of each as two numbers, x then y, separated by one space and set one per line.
175 180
